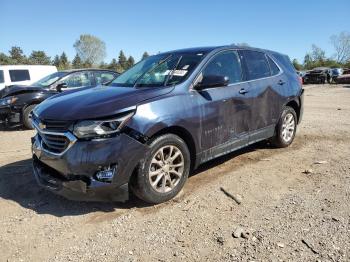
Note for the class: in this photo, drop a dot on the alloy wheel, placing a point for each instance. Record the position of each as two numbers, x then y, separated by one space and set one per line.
288 127
166 169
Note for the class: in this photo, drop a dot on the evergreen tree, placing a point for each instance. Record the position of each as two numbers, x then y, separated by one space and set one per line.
39 58
113 64
77 63
17 56
56 61
122 60
64 63
130 62
145 55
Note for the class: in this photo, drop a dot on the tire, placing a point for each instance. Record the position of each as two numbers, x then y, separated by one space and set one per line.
284 138
170 145
26 116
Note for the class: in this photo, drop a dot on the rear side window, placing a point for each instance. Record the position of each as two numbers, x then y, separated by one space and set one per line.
257 64
19 75
2 77
225 64
274 68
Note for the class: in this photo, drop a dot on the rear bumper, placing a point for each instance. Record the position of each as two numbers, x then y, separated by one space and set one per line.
73 174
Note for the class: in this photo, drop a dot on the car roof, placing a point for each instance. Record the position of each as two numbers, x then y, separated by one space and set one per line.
208 49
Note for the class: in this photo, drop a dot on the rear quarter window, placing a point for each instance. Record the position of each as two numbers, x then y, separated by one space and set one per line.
19 75
2 77
285 61
274 68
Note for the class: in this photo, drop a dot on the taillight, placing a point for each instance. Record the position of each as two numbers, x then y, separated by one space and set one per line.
300 80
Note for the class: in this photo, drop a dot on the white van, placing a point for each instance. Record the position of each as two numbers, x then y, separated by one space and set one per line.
23 74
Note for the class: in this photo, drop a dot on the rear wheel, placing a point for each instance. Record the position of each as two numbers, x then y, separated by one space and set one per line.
286 128
26 116
164 171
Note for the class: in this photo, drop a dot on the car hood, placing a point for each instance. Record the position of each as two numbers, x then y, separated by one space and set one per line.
17 90
97 102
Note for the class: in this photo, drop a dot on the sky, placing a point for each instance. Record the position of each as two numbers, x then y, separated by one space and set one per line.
290 27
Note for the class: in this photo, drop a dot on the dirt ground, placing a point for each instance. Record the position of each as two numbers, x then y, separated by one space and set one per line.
294 203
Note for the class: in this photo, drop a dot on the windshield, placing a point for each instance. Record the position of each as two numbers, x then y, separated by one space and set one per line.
159 70
50 79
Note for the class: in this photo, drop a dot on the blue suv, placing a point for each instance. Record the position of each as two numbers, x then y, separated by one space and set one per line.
161 119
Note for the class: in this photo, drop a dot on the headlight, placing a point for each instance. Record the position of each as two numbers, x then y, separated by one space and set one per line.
100 128
8 100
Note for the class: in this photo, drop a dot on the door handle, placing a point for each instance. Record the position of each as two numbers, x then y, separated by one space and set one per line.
243 91
281 82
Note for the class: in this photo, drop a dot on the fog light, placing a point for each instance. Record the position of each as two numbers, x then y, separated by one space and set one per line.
106 175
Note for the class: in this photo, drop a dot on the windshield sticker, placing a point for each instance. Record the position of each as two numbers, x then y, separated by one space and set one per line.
180 72
177 72
186 67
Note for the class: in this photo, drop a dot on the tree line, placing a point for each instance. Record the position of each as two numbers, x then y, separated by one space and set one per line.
90 52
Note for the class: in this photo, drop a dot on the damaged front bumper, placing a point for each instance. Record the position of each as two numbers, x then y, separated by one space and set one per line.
73 174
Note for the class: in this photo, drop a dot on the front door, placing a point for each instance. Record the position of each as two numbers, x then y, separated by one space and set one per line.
223 109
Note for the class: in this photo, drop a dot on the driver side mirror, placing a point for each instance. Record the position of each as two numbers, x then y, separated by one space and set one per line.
211 81
61 86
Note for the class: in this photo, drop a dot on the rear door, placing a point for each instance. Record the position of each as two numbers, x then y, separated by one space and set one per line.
263 96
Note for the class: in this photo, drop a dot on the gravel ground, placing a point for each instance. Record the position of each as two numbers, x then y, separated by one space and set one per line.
294 203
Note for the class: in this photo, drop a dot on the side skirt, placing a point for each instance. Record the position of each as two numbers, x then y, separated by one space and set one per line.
236 144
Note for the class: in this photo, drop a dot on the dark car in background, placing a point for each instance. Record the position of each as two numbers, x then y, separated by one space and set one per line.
318 75
161 119
17 102
344 78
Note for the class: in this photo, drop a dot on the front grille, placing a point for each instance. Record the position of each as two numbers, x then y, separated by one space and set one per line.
54 143
57 126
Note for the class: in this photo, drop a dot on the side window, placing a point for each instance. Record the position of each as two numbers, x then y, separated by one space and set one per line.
80 79
2 77
225 64
257 64
104 77
274 68
19 75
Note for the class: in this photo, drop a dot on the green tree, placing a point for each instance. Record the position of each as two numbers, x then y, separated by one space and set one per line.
17 56
297 65
91 49
145 55
122 60
77 63
39 58
113 64
64 63
130 62
56 61
5 60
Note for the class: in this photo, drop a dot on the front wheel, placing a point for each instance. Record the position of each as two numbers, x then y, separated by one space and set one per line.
27 118
164 170
286 128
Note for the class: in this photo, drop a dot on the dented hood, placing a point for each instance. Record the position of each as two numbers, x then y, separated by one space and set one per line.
17 90
97 102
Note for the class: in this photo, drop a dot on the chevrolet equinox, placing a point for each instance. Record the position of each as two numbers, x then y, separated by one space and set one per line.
162 118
